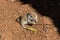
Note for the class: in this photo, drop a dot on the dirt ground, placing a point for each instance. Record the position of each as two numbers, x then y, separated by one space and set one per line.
12 30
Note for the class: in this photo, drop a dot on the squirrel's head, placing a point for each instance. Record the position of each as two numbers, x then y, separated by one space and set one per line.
32 19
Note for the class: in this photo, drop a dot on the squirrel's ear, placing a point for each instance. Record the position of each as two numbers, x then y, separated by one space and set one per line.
35 17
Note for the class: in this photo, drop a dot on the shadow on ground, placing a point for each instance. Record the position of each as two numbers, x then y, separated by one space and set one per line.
47 8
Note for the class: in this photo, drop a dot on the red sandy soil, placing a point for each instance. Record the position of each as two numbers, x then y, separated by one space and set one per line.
12 30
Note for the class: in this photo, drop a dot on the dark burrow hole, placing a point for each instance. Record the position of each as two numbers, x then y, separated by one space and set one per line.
49 8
